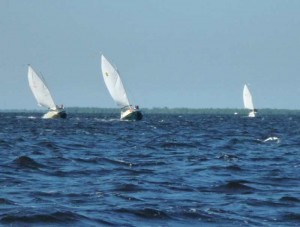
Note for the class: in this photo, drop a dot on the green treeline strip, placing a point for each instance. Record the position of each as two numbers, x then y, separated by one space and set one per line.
166 110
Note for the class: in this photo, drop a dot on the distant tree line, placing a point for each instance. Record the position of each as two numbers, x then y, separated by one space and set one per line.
166 110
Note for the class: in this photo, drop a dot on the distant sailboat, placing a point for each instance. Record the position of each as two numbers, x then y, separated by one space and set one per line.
248 103
43 96
117 91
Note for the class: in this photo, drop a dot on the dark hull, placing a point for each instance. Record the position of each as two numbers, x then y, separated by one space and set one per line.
133 116
54 114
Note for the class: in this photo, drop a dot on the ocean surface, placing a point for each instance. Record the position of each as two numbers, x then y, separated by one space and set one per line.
166 170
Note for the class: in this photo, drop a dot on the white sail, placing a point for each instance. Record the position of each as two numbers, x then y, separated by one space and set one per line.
248 103
113 83
40 90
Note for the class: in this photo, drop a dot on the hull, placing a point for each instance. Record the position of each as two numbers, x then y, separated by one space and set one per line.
55 114
252 114
131 115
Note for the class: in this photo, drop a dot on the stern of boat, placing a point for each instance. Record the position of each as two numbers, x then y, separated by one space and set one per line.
52 114
131 115
252 114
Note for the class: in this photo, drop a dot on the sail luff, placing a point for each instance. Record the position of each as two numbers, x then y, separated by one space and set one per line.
40 90
114 83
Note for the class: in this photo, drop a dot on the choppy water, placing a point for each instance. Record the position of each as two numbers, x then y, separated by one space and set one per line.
167 170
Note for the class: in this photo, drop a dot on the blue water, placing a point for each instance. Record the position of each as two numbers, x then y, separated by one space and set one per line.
166 170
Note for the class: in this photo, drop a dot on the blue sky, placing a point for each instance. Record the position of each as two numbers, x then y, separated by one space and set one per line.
174 53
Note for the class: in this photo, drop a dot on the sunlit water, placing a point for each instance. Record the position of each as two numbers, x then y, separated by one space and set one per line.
166 170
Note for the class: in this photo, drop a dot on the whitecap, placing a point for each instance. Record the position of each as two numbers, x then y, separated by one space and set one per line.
272 139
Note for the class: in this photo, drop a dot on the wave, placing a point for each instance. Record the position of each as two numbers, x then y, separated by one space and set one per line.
6 202
88 160
235 187
127 198
148 213
228 157
290 199
264 203
4 144
103 160
208 216
195 213
291 217
28 163
32 117
74 173
272 139
49 145
119 162
56 217
177 145
127 188
234 168
120 165
280 180
107 119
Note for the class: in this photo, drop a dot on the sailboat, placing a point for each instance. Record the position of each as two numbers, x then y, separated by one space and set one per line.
117 91
248 103
43 95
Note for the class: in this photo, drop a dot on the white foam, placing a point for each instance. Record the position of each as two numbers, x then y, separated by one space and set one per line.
272 138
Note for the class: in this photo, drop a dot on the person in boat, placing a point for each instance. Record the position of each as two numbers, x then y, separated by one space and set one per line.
57 107
136 107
